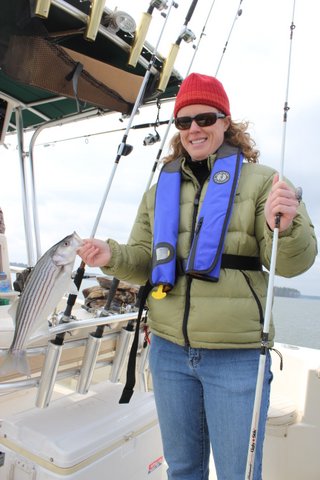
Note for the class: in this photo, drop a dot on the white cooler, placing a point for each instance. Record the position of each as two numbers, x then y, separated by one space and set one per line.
84 437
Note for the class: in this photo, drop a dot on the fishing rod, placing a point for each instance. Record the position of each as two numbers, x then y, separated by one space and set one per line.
170 122
186 35
238 14
164 139
93 344
95 339
123 150
143 28
126 334
134 127
115 282
130 381
266 326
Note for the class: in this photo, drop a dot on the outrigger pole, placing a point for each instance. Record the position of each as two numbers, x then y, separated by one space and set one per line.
266 326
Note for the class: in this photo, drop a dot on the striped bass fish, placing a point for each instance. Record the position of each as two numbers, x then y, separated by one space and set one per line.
44 288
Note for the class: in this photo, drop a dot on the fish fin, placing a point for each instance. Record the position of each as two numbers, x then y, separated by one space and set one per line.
15 361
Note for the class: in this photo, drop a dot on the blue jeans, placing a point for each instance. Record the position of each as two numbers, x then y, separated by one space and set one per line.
206 397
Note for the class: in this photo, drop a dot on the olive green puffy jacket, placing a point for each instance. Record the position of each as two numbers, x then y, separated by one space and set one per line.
229 313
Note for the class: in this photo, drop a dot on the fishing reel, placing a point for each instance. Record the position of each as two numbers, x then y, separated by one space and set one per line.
152 138
159 4
187 35
119 20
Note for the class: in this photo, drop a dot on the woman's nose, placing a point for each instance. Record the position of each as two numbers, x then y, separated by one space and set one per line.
194 125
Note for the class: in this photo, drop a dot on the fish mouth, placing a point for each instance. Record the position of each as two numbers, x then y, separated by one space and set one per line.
78 239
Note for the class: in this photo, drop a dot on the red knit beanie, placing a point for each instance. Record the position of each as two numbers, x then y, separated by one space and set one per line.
203 90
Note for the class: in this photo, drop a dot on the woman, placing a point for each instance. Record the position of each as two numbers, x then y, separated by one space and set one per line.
201 237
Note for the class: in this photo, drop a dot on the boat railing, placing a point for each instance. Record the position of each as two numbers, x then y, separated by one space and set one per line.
90 354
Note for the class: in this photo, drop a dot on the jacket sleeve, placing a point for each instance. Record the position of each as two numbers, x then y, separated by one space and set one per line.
131 262
297 246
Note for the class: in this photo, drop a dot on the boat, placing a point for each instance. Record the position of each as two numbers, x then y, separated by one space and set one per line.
62 62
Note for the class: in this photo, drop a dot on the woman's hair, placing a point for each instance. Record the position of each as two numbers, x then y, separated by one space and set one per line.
236 135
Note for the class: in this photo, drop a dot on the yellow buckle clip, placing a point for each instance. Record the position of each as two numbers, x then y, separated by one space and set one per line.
159 293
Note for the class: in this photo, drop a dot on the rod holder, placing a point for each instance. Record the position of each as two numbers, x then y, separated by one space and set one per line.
139 39
96 11
48 375
124 343
168 67
42 8
143 368
89 363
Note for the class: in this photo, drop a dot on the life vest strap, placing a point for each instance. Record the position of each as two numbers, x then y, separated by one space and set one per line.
236 262
131 367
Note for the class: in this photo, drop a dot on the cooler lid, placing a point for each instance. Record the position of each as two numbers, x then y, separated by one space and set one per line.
76 427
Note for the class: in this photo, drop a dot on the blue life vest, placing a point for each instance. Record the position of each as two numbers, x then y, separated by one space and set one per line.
204 259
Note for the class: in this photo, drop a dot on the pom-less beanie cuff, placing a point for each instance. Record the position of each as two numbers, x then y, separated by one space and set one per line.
203 90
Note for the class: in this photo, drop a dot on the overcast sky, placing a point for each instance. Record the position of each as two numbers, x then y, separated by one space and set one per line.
72 175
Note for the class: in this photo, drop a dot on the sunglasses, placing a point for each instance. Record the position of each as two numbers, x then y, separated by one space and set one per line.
202 120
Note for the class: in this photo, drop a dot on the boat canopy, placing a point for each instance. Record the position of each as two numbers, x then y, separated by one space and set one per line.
50 70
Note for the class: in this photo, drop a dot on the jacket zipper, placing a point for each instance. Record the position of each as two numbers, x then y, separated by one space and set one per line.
189 279
194 243
255 296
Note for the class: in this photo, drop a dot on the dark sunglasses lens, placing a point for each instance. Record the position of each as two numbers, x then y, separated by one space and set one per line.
183 123
206 119
202 120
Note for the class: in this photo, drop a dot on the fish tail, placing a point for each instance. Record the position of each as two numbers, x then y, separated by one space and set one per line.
15 361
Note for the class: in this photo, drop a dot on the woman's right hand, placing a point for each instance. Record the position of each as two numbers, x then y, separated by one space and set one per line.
95 253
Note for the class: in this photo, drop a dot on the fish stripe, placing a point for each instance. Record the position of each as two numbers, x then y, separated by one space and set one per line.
27 308
37 292
39 289
43 290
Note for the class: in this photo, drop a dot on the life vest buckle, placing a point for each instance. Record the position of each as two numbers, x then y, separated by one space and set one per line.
159 294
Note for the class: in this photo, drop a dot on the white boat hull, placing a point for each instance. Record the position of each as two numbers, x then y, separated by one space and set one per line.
82 437
291 450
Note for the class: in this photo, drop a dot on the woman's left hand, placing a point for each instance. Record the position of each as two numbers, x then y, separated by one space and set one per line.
281 200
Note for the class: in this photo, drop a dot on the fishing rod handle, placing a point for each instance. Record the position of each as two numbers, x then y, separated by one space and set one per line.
190 11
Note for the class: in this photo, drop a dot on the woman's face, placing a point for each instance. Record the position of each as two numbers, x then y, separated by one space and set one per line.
200 142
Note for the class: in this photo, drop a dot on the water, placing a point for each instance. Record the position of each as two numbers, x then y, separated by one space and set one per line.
297 321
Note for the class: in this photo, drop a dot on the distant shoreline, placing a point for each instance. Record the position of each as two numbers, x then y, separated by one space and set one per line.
283 292
300 297
310 297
